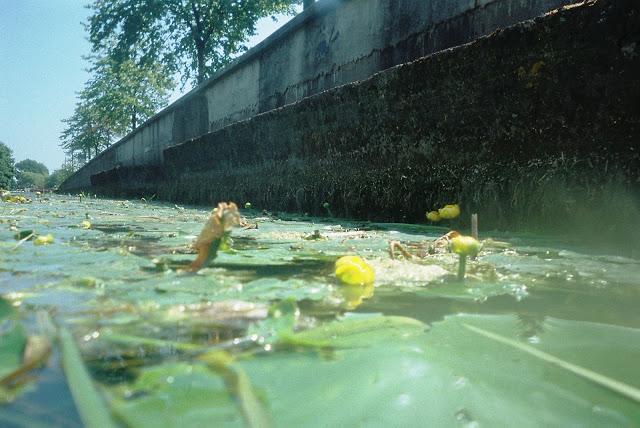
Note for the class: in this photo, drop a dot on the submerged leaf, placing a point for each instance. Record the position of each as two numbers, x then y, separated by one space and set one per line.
176 394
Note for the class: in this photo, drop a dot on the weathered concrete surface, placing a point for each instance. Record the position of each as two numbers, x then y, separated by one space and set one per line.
331 43
537 125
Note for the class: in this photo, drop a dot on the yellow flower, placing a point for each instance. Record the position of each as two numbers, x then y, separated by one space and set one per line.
433 216
43 240
85 224
353 270
465 246
449 211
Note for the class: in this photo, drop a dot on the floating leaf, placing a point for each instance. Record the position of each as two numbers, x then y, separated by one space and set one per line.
92 410
12 340
446 376
176 394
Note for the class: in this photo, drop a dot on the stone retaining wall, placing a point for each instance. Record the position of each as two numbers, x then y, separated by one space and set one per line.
331 43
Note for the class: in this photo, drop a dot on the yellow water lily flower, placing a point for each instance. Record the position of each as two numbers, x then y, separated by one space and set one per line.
43 240
85 224
465 246
15 199
353 270
449 211
433 216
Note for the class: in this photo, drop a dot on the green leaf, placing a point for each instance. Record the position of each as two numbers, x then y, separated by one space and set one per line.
12 340
176 394
448 376
357 332
90 406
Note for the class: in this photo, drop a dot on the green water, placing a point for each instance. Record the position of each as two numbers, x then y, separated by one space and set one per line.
300 349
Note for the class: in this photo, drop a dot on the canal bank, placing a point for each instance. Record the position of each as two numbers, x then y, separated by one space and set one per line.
535 126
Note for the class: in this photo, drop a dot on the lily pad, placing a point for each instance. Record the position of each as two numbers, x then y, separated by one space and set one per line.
176 394
12 340
450 375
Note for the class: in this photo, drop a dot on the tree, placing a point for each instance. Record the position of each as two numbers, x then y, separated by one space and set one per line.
84 132
28 180
194 37
114 101
29 165
59 175
126 93
30 173
7 170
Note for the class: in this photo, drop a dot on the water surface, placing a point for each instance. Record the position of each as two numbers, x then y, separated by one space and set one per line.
310 351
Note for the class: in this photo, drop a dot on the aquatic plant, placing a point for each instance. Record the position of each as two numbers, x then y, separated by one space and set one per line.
15 199
327 207
449 211
433 216
464 246
353 270
43 240
214 233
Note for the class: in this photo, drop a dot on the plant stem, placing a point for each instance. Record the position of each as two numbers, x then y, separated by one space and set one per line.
474 226
462 267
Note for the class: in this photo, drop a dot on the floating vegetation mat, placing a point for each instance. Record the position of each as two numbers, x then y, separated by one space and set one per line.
105 322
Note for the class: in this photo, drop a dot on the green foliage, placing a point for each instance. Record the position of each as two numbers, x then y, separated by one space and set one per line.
12 339
196 37
90 406
176 394
26 180
126 93
29 165
7 170
84 132
31 174
12 342
446 376
58 176
118 97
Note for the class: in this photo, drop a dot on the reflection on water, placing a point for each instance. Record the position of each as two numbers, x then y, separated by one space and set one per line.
118 288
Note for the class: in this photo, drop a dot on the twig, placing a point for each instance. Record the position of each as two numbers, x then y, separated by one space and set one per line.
395 245
22 241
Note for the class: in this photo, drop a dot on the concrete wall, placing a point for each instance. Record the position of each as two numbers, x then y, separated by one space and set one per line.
331 43
534 127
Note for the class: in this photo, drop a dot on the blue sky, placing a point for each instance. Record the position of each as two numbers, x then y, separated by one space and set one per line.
41 69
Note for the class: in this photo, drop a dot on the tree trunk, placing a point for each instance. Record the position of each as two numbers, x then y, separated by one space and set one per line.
133 120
